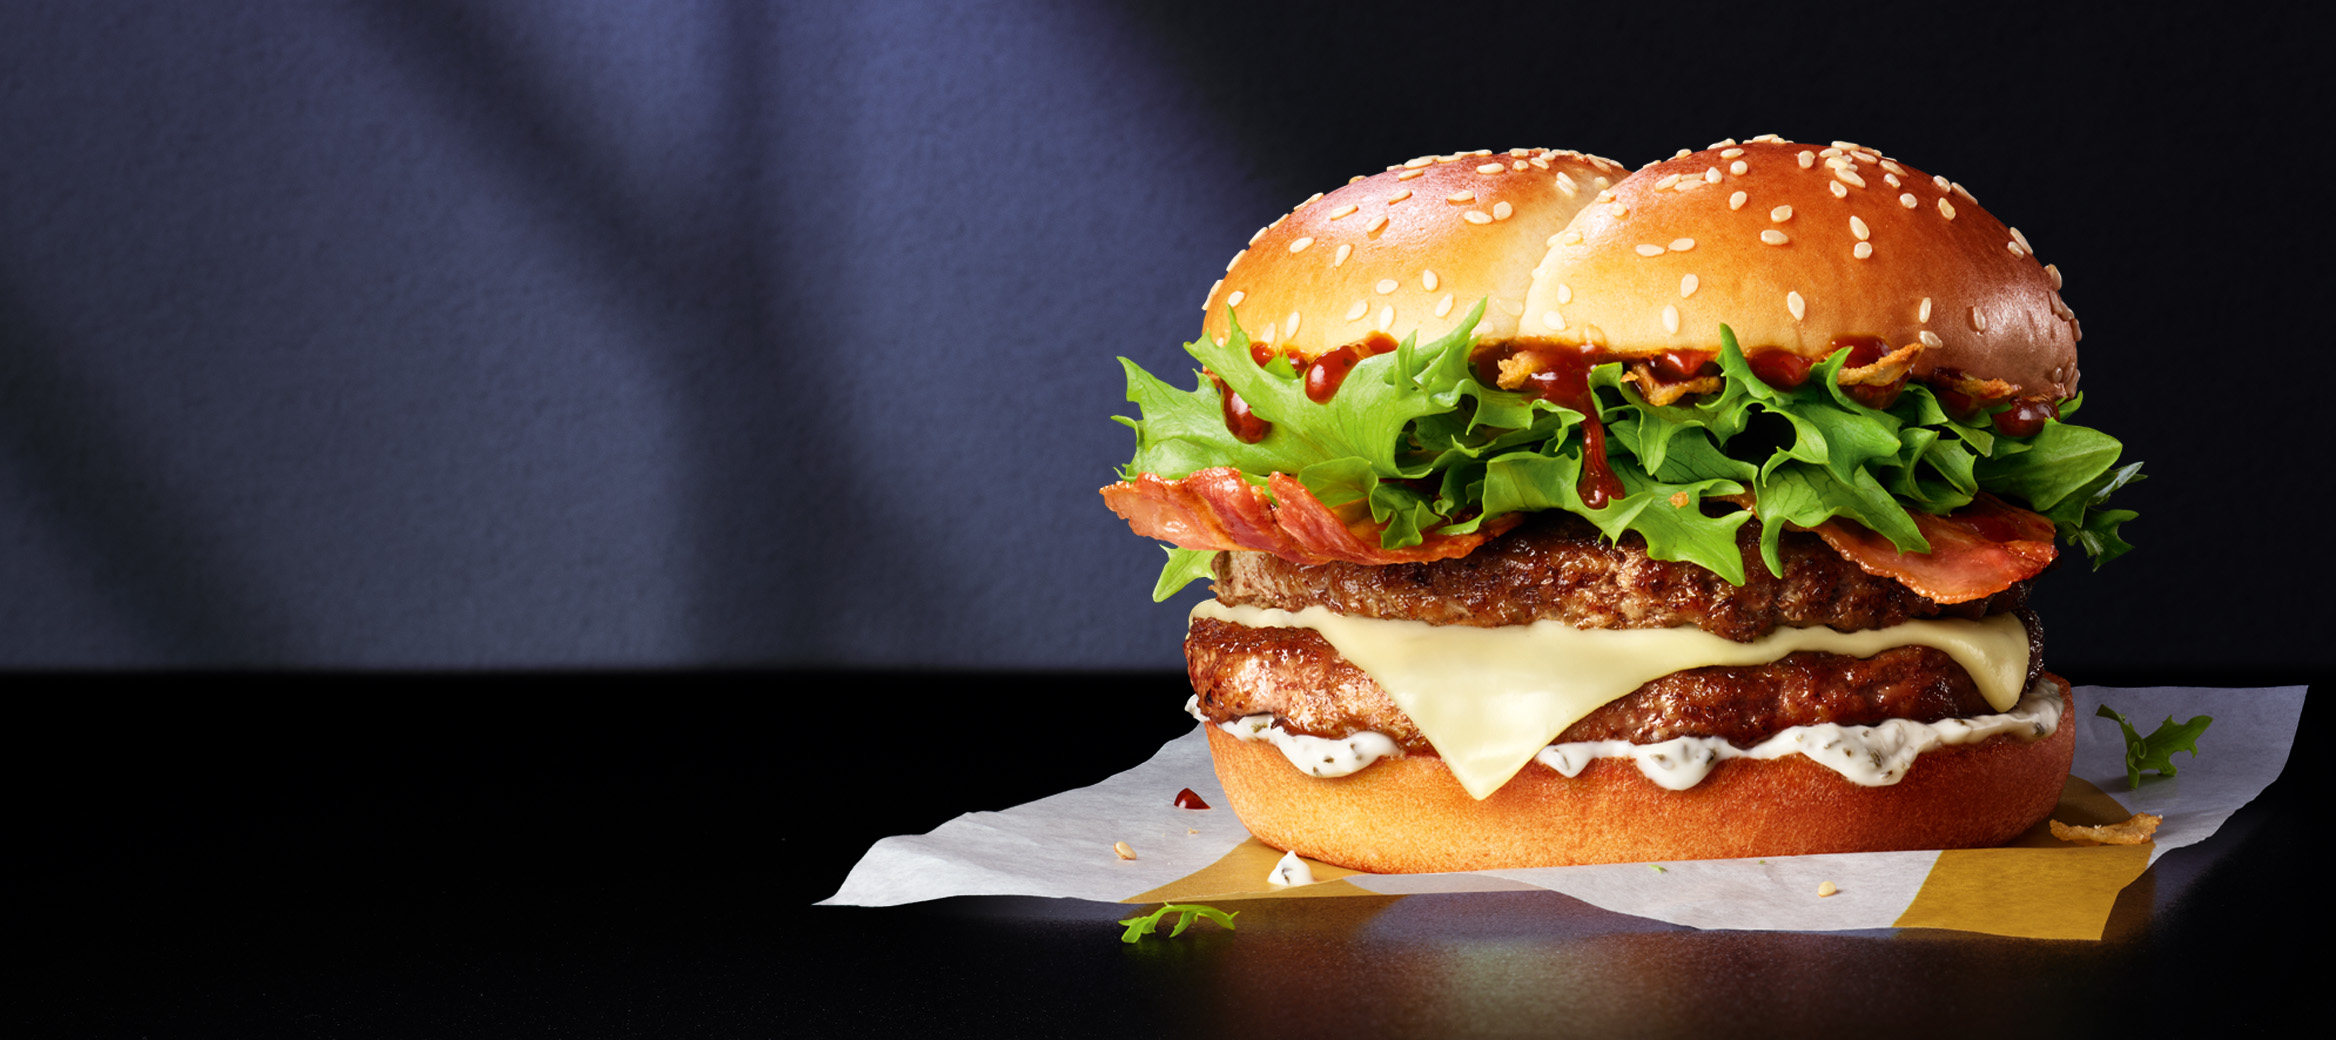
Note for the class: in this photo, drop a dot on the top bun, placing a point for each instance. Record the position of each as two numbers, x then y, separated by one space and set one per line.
1795 245
1410 249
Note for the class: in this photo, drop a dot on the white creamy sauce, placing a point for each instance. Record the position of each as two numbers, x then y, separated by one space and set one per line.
1491 699
1870 756
1290 871
1314 756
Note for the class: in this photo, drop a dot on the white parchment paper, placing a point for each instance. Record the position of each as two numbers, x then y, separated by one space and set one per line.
1060 845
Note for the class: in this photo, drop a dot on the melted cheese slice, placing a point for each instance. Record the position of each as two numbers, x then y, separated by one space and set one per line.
1489 699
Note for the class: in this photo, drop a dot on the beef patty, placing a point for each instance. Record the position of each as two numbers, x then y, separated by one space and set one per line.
1556 566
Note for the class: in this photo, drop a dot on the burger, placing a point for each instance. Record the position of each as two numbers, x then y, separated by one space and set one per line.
1559 513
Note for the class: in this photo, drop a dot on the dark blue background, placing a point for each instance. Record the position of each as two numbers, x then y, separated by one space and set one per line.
676 334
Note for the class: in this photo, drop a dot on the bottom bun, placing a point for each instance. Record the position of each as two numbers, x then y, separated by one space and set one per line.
1408 814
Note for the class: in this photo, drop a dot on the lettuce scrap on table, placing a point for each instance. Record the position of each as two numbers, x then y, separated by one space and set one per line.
1414 436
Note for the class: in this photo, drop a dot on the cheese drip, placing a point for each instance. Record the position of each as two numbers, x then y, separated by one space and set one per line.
1489 699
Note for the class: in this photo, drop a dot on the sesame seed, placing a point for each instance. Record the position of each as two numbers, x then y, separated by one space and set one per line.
1538 163
1837 163
1862 250
1736 201
1386 317
1261 233
1908 200
1619 210
1414 164
1477 216
2060 308
1681 245
1292 332
1310 200
1738 167
1409 174
1427 280
1858 227
1892 167
1300 245
1923 315
1978 320
1601 183
1345 249
1839 192
1444 306
1518 165
1213 287
1461 196
1671 319
1491 167
1570 237
1731 153
1942 182
1565 293
1266 335
1236 259
2076 329
1345 210
1931 339
1399 196
1385 286
1376 223
2054 271
1552 319
1711 175
1235 299
1850 176
1687 284
1808 159
1359 309
1780 214
1794 303
2022 240
1502 210
1890 179
1833 151
1604 195
1520 152
1649 249
1774 237
1946 209
2015 248
1963 191
1667 181
1681 153
1566 185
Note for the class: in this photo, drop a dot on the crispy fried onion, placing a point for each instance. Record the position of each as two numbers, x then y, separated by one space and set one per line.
1976 551
1217 509
2131 832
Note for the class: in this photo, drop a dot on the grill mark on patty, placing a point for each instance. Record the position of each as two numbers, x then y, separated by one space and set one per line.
1556 566
1296 676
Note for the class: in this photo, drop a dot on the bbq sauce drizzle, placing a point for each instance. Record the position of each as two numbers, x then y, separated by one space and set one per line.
1561 375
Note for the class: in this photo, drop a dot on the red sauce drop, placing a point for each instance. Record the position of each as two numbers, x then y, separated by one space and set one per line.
1781 369
1679 366
1185 799
1239 420
1378 343
1562 376
1262 353
2026 417
1863 350
1328 373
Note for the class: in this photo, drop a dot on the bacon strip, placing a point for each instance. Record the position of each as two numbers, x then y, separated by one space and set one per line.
1976 551
1216 509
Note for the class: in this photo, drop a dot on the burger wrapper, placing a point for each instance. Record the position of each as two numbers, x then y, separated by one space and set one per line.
2038 887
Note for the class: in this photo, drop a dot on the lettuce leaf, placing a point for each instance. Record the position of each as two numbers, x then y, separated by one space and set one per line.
2156 751
1429 448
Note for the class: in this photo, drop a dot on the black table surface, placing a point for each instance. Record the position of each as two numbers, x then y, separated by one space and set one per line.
636 854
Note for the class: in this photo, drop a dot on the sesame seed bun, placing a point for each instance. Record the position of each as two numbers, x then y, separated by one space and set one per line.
1408 815
1412 248
1793 245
